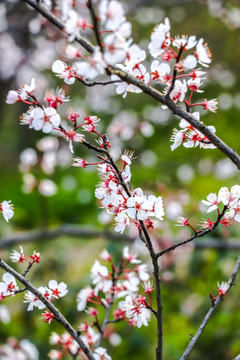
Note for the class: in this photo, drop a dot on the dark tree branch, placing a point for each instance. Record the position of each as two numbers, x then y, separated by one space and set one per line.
210 312
59 317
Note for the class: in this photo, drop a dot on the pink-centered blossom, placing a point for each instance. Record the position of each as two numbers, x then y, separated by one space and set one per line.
83 296
22 94
211 105
222 288
136 310
203 53
212 201
101 354
58 289
64 71
7 210
16 256
45 119
111 14
92 67
160 38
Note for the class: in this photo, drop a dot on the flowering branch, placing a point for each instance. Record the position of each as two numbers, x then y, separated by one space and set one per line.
144 236
211 311
196 235
149 90
58 316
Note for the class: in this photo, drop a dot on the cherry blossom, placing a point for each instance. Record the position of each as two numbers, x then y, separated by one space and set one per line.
15 256
58 290
94 65
47 316
179 91
111 14
33 301
45 119
7 210
64 72
22 94
187 41
56 99
222 288
35 257
212 202
83 296
203 53
101 354
191 137
160 38
136 310
210 105
159 71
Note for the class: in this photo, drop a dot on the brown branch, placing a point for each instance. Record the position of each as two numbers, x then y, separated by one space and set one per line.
59 317
210 313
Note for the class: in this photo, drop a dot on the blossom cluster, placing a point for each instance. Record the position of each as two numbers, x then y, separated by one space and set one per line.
67 345
126 206
7 210
111 284
20 257
115 285
178 74
230 200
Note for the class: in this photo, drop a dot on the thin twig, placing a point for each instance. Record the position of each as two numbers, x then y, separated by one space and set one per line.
196 235
95 22
59 317
27 269
94 83
210 312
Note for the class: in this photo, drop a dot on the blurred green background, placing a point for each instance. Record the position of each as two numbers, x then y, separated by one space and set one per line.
183 177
